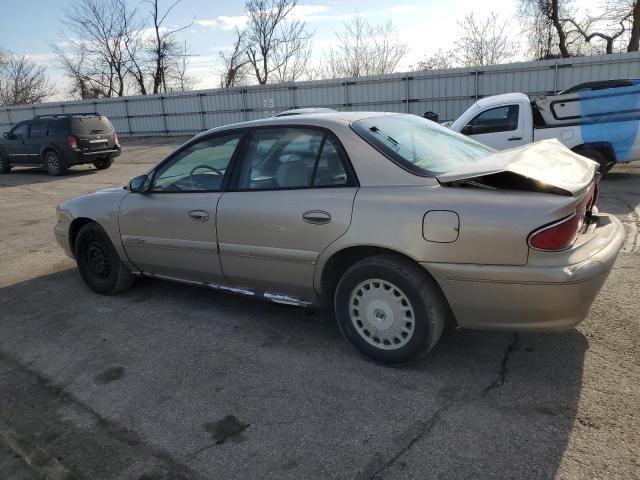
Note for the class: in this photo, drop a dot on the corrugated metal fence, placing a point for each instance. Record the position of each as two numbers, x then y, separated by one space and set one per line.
445 92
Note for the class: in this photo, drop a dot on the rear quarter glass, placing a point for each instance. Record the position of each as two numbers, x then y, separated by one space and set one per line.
91 126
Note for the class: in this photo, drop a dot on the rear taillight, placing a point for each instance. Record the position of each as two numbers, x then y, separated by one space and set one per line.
72 142
115 138
557 236
561 234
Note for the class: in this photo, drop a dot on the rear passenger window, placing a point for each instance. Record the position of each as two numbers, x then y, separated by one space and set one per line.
35 131
330 169
281 158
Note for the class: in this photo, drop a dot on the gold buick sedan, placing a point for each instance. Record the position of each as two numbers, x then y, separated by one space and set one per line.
399 224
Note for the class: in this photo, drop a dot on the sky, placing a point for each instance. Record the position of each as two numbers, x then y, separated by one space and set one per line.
424 25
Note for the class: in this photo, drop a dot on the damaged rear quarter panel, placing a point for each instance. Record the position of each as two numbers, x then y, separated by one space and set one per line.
494 225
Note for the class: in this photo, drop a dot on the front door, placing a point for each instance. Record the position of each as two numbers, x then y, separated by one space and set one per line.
498 127
292 198
16 143
170 231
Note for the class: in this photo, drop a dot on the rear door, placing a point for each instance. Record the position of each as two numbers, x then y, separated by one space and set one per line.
499 127
34 141
170 231
291 198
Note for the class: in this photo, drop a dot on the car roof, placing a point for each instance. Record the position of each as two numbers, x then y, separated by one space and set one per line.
302 111
326 120
504 98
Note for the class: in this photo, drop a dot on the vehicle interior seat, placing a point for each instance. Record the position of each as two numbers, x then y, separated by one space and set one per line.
293 174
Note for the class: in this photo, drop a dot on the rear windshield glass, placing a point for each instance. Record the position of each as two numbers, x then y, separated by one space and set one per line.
90 125
419 145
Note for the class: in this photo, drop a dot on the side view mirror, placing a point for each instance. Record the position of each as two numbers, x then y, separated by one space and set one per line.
5 134
140 184
467 130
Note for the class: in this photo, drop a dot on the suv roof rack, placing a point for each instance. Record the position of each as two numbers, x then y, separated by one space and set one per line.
62 115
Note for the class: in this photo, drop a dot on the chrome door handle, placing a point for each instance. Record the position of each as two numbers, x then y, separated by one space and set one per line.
316 217
199 215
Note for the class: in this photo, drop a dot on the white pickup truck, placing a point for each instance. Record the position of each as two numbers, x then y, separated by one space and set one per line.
603 125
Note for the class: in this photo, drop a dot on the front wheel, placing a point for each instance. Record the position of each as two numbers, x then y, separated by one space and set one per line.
54 163
103 164
390 309
99 263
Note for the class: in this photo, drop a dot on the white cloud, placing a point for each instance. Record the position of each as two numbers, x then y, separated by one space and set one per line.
224 22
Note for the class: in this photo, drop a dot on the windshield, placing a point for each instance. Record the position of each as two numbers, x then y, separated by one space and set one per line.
419 145
90 125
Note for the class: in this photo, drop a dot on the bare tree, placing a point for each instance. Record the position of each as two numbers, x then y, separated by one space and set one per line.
438 61
292 60
235 63
274 43
22 82
547 29
627 14
365 49
484 42
95 55
178 80
164 46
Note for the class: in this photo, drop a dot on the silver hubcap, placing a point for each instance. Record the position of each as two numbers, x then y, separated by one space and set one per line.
382 314
52 162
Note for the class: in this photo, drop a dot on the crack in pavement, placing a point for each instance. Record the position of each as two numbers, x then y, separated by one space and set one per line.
426 426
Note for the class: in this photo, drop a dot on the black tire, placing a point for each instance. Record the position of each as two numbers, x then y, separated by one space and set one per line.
5 166
401 282
54 163
606 163
103 164
99 263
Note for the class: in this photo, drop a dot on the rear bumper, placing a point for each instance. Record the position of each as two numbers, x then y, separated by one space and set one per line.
531 298
76 157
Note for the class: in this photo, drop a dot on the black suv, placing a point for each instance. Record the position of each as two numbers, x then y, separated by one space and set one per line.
56 142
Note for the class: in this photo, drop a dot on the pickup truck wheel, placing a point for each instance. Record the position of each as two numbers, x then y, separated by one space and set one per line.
605 162
99 263
54 164
390 309
5 167
103 164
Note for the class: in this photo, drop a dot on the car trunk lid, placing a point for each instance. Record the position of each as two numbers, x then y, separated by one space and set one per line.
545 166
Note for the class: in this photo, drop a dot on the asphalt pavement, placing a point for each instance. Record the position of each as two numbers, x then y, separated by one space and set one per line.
168 381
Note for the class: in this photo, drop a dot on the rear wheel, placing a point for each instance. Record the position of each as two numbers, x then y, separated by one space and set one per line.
606 163
99 263
103 164
390 309
54 163
5 166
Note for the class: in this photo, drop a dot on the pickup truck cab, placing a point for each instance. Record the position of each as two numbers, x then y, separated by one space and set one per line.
601 125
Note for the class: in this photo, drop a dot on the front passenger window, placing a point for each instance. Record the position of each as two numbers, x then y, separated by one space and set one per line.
498 119
200 167
20 131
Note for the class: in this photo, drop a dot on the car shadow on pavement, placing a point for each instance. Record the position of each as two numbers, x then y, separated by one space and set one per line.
21 176
174 361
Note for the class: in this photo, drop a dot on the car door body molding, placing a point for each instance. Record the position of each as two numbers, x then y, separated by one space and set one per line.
269 253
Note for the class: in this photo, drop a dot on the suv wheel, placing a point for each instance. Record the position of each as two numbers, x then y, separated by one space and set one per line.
54 163
5 167
390 309
99 263
103 164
